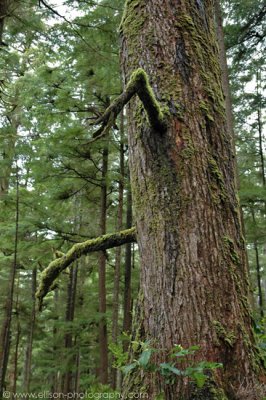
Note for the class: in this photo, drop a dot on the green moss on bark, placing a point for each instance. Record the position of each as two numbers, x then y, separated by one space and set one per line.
217 185
204 53
128 22
228 337
230 249
140 81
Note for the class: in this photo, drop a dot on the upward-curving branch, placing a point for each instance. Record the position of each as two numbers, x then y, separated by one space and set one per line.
138 84
104 242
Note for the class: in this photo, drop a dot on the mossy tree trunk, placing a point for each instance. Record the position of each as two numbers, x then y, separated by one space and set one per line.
194 281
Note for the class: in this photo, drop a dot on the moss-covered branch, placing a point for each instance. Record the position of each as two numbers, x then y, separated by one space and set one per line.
105 242
138 84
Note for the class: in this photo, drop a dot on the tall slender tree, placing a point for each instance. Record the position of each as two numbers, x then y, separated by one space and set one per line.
6 327
118 255
103 340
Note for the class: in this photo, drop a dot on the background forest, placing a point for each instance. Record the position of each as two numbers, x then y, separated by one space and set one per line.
60 185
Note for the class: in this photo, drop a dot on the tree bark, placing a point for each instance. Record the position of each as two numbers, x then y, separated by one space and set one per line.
194 279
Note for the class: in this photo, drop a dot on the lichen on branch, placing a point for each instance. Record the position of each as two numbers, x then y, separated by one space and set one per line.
138 84
104 242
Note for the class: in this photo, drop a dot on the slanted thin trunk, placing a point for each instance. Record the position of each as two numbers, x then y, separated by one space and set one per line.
194 279
28 356
103 373
119 226
6 327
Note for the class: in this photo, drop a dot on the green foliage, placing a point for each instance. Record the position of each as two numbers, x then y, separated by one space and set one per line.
259 330
179 356
245 39
120 357
97 391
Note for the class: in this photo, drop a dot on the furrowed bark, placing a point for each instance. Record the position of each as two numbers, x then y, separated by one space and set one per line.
60 264
193 283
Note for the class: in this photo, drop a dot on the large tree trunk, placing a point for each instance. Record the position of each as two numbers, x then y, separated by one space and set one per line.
194 280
